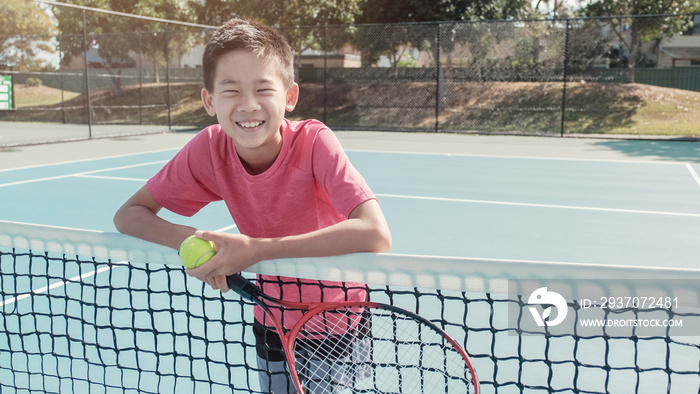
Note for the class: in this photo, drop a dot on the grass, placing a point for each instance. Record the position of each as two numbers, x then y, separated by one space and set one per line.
34 96
636 109
524 107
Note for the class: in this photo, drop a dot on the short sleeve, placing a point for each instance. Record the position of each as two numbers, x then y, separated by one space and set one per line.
342 184
187 183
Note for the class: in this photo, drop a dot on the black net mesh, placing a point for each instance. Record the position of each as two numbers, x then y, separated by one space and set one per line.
74 324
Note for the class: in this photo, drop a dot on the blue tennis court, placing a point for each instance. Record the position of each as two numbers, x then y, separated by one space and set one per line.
576 207
492 199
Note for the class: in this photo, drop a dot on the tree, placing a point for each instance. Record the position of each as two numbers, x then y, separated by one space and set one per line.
25 31
114 36
554 9
297 20
634 27
287 16
213 12
388 11
277 13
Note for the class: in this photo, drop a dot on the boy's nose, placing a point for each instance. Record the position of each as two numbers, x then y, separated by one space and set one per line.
248 103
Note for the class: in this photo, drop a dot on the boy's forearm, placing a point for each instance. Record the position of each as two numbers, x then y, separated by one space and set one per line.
365 231
142 223
339 239
138 217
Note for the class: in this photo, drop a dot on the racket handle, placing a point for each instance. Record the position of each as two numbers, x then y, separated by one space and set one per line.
242 286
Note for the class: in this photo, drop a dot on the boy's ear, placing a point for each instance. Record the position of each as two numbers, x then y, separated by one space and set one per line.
207 101
292 97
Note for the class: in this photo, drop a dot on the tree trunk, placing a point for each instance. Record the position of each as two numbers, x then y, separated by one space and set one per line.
634 53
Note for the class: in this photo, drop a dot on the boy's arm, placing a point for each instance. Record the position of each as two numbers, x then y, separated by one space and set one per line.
365 230
139 217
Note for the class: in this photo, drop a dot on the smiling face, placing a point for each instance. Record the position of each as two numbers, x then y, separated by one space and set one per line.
249 99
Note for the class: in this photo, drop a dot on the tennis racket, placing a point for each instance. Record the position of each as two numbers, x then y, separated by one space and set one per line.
370 346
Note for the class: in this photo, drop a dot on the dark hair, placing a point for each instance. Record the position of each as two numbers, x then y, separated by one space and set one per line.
245 34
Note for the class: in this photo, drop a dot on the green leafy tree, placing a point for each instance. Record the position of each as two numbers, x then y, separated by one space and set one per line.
389 11
290 17
115 36
213 12
634 28
25 34
554 9
278 13
298 20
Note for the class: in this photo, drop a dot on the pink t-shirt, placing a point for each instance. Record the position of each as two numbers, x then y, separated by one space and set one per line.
311 185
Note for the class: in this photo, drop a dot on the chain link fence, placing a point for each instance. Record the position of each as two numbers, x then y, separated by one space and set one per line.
553 77
112 76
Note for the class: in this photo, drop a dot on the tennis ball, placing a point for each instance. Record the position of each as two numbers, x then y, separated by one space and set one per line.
196 251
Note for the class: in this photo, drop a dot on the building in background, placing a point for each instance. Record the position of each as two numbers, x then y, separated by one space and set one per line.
683 50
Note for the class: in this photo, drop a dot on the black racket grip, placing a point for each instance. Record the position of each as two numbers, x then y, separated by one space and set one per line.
243 287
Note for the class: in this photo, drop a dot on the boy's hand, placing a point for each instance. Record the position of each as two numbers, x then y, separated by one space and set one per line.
234 254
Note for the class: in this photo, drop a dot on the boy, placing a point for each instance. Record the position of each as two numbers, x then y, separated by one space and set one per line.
288 185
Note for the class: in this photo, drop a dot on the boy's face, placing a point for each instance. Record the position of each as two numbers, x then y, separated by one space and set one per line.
249 100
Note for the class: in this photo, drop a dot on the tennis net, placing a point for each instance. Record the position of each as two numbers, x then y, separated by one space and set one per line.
87 311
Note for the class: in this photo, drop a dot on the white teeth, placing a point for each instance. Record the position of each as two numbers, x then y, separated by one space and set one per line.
250 124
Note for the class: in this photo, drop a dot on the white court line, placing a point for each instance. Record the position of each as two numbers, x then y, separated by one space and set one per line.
231 227
496 156
115 178
56 285
693 173
572 207
78 174
523 204
87 160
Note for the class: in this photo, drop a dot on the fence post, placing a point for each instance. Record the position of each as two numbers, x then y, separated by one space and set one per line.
140 79
325 74
87 75
438 77
566 76
63 101
167 80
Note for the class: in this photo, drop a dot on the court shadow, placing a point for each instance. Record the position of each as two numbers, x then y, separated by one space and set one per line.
601 108
680 149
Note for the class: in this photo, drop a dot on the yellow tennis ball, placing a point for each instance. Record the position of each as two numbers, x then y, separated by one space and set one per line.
196 251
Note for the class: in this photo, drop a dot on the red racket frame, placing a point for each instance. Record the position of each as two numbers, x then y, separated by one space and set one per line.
246 289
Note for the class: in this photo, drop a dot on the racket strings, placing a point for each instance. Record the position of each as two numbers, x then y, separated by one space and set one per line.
421 359
397 354
331 362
